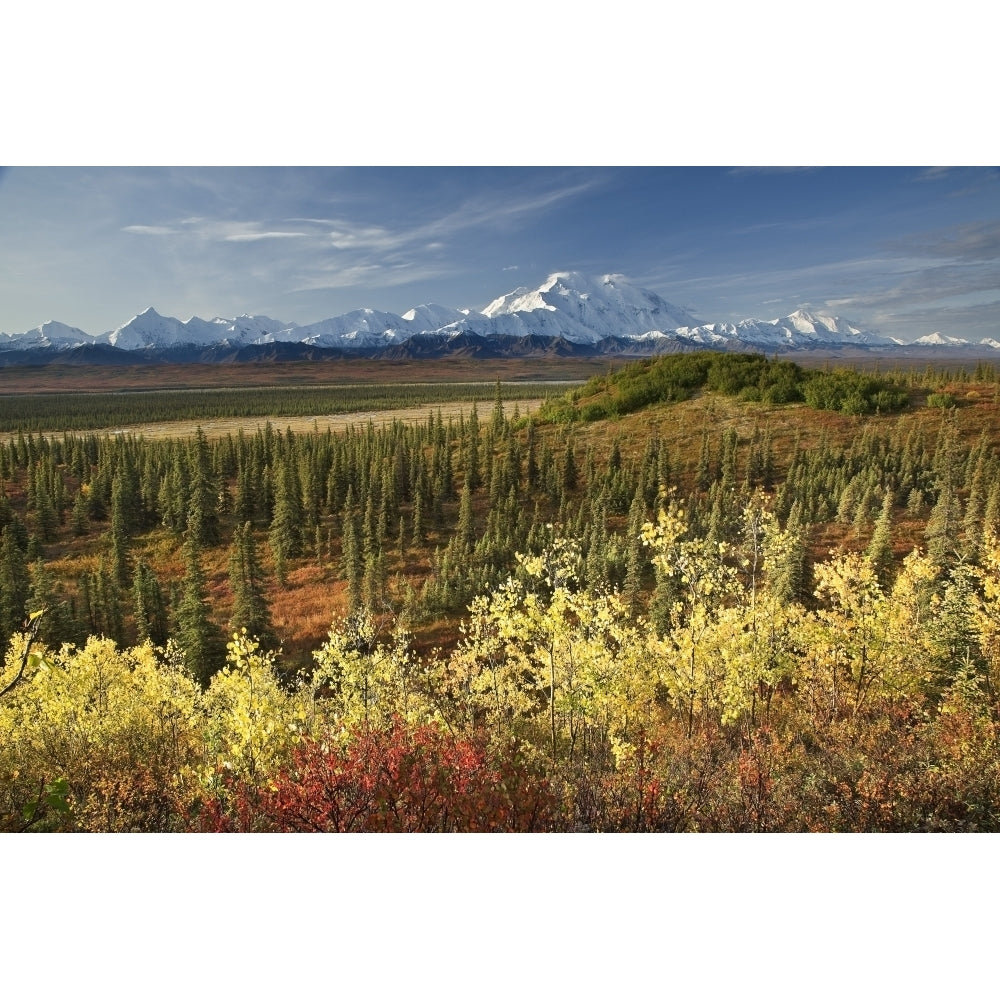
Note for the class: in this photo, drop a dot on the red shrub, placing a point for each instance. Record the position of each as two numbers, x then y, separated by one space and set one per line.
408 779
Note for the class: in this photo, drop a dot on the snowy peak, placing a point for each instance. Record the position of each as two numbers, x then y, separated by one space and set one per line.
50 335
938 339
585 310
433 317
802 329
147 329
151 330
818 326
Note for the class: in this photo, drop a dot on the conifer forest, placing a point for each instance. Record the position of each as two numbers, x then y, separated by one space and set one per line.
703 592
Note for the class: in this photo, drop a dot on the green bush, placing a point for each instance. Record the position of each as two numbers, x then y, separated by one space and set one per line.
593 411
942 400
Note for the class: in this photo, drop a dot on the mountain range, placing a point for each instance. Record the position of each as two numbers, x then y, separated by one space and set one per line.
568 314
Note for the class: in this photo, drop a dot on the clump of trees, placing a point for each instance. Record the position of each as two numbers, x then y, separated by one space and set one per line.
749 377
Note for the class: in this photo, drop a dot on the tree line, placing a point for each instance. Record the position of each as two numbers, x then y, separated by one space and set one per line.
115 535
74 411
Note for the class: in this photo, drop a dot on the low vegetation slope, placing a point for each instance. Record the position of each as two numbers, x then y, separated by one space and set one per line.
716 620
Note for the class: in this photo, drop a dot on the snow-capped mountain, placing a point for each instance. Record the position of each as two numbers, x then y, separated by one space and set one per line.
151 330
582 310
938 339
799 331
50 335
586 313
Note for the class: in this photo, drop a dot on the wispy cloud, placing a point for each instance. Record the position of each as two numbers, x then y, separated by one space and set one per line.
925 284
934 173
376 243
368 275
978 314
974 241
737 171
250 237
481 212
150 230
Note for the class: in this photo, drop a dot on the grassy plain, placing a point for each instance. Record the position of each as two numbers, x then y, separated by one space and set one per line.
352 371
318 423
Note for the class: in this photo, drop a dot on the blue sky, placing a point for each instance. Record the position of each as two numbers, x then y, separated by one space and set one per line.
904 250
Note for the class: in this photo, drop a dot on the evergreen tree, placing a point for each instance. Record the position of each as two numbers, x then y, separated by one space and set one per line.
419 530
250 607
373 582
531 460
465 532
788 575
991 515
703 472
14 585
79 515
943 524
120 530
632 590
285 536
107 617
204 491
569 476
880 547
46 518
351 563
58 624
148 607
499 423
727 469
472 470
197 636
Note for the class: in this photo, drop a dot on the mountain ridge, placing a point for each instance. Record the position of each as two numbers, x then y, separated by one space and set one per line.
568 313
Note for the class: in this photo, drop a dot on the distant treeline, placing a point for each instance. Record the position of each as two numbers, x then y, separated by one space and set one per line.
748 377
91 411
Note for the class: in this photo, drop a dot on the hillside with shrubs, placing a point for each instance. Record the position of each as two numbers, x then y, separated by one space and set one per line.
701 593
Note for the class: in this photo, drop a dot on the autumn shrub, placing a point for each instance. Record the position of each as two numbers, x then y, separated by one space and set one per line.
405 779
116 731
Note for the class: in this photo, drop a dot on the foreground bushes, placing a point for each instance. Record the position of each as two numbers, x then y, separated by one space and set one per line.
405 779
873 708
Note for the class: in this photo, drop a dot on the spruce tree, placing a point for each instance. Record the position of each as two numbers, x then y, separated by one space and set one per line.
56 625
198 638
703 471
106 614
531 460
14 585
499 423
880 547
351 563
941 533
419 528
569 475
285 534
250 607
204 491
472 471
148 607
632 590
120 525
465 532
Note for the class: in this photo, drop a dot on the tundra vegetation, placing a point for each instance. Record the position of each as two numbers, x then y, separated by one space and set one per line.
736 595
